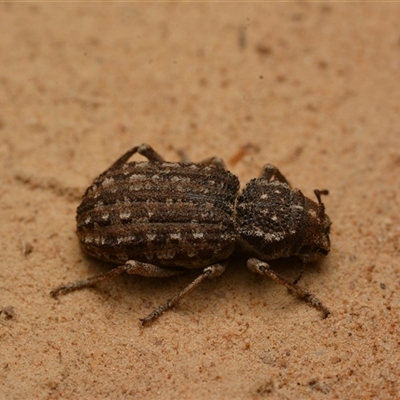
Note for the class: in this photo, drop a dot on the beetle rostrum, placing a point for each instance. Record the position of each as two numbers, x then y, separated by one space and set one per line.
158 219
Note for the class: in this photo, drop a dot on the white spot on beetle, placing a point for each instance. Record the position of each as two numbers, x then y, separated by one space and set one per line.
142 164
165 254
175 235
124 214
127 201
107 182
175 179
312 214
125 239
273 237
137 177
88 239
198 235
170 164
136 187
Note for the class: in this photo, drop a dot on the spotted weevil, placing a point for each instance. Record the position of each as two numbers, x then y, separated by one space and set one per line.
158 219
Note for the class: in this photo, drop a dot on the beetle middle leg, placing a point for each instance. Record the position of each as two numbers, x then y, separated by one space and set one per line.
216 161
262 268
209 272
272 173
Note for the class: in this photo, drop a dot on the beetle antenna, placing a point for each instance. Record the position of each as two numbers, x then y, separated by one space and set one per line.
318 193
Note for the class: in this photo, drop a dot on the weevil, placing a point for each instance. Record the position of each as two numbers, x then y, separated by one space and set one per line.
158 219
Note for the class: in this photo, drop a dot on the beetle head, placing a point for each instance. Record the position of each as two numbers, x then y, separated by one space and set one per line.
315 242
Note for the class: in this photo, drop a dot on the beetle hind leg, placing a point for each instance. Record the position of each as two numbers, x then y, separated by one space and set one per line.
144 150
89 282
131 267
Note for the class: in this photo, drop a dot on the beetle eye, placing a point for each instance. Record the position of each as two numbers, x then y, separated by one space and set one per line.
323 251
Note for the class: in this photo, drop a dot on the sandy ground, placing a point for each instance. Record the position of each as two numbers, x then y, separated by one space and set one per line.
311 87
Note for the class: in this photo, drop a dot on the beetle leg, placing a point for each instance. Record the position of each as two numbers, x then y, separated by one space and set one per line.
296 281
209 272
216 161
149 270
131 267
184 157
272 173
148 152
262 268
144 149
70 287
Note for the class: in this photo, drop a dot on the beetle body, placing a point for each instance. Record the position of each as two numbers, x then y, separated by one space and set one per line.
159 218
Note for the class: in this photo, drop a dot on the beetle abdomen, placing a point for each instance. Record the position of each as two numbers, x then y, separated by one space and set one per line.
167 214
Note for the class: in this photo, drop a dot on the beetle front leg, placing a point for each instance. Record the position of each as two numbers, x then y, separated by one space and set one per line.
209 272
262 268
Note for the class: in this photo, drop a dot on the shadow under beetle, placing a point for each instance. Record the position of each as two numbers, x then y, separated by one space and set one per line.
158 219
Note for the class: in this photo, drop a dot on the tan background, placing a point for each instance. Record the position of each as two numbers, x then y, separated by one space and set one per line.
314 87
